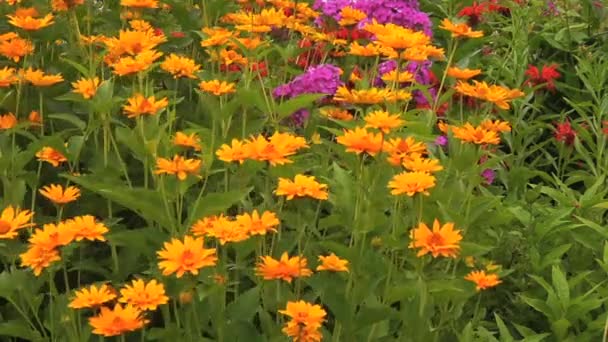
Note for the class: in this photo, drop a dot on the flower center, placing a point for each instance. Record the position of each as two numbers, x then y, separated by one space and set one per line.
435 240
5 227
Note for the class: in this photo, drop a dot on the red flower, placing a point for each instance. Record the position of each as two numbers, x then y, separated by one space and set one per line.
158 32
565 133
605 127
476 11
548 74
178 34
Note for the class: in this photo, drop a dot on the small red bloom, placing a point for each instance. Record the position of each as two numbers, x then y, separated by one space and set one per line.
565 133
158 32
178 34
547 74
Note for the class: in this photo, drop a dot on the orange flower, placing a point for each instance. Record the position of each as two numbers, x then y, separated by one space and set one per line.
87 228
117 321
188 256
332 263
482 280
361 141
87 87
370 96
285 268
38 258
144 296
64 5
350 16
500 96
222 228
139 105
14 48
337 113
179 166
179 66
92 297
39 79
463 74
51 156
400 149
461 30
52 236
396 37
398 77
29 23
141 62
7 75
217 88
476 135
192 140
8 121
410 183
58 195
12 220
237 152
306 320
417 163
216 36
442 240
496 126
301 186
139 42
369 50
276 149
256 224
383 121
139 3
34 118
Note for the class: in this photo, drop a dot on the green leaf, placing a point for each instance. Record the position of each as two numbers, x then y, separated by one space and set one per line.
19 329
81 68
601 230
245 306
217 202
302 101
561 285
71 118
505 335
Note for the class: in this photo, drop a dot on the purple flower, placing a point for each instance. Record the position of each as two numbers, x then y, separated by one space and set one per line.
489 175
441 140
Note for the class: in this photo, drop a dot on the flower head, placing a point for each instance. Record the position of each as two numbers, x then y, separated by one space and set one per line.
52 235
30 23
306 320
477 135
87 228
217 87
463 74
350 16
285 268
38 258
139 105
565 133
461 30
40 79
8 121
383 121
179 66
332 263
185 140
14 47
87 87
546 75
92 297
8 75
144 296
117 321
360 140
189 255
441 241
301 186
58 195
51 156
178 166
256 224
482 280
222 228
410 183
237 151
139 3
12 220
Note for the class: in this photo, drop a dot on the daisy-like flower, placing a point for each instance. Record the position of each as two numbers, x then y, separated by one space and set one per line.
419 164
8 76
138 105
301 186
482 280
189 256
30 23
52 235
398 77
117 321
179 166
461 30
285 268
400 149
139 3
92 297
217 87
87 228
369 50
276 149
58 195
12 220
383 121
87 87
144 296
443 240
8 121
350 16
134 64
496 126
463 74
65 5
236 152
51 156
38 258
39 79
411 183
476 135
360 140
306 320
332 263
336 113
256 224
222 228
14 47
498 95
179 66
185 140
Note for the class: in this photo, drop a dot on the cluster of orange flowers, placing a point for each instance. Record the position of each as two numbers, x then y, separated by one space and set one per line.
137 298
240 228
306 320
498 95
275 149
486 133
287 268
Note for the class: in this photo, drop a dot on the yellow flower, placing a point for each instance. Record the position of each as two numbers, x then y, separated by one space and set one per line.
216 36
139 105
188 256
383 121
443 240
332 263
236 152
141 62
285 268
12 220
117 321
350 16
87 227
217 88
410 183
496 126
396 37
179 166
476 135
400 149
29 23
500 96
64 5
58 195
419 164
192 140
144 296
7 75
482 280
370 96
401 77
360 140
369 50
87 87
179 66
256 224
8 121
139 3
301 186
461 30
39 79
92 297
